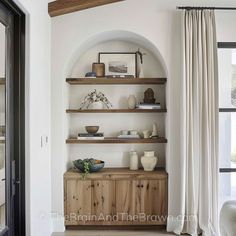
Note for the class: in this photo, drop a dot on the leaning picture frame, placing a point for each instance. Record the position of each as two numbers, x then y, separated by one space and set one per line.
119 64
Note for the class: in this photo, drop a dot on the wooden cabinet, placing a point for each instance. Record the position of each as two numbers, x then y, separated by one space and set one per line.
152 196
78 198
116 197
103 198
124 198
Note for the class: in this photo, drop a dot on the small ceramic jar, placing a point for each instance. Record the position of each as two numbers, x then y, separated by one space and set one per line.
149 160
131 102
99 69
133 161
146 134
133 132
124 132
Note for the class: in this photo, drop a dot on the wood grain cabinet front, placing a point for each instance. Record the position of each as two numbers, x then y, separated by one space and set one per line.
136 198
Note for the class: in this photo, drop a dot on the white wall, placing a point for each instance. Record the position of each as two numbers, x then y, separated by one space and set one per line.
69 32
226 31
159 28
158 23
38 163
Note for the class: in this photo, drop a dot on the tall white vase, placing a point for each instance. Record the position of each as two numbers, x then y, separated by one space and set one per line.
131 102
149 160
133 161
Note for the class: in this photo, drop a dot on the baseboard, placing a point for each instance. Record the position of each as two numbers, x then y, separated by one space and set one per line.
58 224
117 227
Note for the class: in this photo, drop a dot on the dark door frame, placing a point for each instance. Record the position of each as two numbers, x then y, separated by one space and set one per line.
15 141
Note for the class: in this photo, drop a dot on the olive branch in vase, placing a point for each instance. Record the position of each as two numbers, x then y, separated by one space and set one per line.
95 96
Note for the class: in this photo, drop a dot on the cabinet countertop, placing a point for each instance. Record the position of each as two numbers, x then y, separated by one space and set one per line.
119 173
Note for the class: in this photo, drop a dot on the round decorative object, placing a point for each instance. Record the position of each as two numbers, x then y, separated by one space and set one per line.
131 102
96 105
133 161
93 168
149 160
92 129
228 218
99 69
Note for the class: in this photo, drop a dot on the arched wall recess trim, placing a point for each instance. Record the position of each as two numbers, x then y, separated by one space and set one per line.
63 92
114 35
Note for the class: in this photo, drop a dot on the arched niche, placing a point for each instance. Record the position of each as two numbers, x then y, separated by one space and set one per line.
80 63
117 40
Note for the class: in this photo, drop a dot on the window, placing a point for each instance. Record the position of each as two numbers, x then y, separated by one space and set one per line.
227 121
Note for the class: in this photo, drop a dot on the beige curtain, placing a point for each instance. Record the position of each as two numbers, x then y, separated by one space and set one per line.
200 125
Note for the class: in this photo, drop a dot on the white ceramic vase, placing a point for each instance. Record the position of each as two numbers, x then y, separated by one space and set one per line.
149 160
133 161
131 102
154 130
96 105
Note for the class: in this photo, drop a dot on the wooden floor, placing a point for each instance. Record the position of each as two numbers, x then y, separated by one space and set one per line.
113 233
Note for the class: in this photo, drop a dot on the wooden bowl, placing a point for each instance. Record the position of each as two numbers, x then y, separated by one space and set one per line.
92 129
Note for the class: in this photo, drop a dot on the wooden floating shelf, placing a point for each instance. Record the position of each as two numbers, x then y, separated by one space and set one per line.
116 140
117 111
79 81
2 81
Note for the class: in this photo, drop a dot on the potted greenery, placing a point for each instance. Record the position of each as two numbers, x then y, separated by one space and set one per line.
88 166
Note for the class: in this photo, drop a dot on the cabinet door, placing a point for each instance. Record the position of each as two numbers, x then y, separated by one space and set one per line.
125 199
103 199
153 197
78 200
143 201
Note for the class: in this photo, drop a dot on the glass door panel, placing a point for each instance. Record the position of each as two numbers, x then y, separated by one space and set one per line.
227 75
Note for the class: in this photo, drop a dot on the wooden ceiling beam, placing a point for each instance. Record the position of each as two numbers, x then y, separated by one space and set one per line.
61 7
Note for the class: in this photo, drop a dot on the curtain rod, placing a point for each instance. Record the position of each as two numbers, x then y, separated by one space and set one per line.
206 8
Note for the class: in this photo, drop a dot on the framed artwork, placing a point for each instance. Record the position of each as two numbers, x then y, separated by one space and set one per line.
119 64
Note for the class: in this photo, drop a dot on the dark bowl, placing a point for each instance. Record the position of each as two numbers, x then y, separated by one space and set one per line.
93 168
92 129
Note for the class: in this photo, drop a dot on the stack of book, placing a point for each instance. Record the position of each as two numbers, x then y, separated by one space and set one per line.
87 136
128 136
148 106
